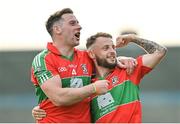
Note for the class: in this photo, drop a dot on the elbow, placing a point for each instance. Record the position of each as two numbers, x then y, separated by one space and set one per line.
166 50
56 102
163 52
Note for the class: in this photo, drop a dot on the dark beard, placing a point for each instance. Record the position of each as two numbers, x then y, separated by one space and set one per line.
104 63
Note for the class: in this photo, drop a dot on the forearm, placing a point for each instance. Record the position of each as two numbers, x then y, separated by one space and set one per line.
149 46
69 96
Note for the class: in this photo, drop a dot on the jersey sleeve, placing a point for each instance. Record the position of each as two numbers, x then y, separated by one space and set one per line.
140 71
42 69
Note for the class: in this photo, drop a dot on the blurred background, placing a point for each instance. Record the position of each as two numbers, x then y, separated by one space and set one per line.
23 35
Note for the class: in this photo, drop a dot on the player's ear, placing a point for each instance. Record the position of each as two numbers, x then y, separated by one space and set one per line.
91 54
57 29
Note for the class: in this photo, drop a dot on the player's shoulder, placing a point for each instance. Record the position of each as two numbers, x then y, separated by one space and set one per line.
119 70
81 52
41 55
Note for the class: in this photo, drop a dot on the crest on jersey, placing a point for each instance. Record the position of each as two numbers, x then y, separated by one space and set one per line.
84 68
114 80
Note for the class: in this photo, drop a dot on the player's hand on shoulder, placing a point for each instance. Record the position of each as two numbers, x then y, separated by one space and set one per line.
129 63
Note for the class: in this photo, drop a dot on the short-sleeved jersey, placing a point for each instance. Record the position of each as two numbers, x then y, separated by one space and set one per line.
74 72
121 104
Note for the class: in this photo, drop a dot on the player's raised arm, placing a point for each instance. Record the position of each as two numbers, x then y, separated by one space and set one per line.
155 52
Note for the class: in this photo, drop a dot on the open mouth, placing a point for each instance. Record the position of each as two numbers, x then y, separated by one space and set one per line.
113 58
77 35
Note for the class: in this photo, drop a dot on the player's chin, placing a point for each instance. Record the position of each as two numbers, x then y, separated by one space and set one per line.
112 63
76 43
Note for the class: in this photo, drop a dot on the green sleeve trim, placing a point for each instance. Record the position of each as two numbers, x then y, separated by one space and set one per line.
40 68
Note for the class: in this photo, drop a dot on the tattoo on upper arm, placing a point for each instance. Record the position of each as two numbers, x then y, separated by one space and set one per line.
149 46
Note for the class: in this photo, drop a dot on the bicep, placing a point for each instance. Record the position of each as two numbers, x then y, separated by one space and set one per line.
51 87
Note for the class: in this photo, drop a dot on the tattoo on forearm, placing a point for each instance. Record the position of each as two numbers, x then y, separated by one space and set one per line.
149 46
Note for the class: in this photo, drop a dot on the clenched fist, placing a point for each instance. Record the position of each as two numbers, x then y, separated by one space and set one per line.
101 86
123 40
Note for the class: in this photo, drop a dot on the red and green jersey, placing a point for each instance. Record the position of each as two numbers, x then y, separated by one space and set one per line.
121 104
75 72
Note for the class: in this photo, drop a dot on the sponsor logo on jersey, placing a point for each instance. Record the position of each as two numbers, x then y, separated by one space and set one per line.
105 100
39 70
72 66
106 103
62 69
76 82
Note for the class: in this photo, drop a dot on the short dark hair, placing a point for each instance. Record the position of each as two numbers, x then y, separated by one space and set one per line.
91 40
56 17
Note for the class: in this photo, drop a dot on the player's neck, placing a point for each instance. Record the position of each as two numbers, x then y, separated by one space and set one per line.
64 49
102 72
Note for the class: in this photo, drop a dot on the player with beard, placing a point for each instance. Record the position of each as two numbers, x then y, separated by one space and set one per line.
121 104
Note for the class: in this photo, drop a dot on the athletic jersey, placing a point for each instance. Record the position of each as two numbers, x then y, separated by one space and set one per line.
121 104
75 72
